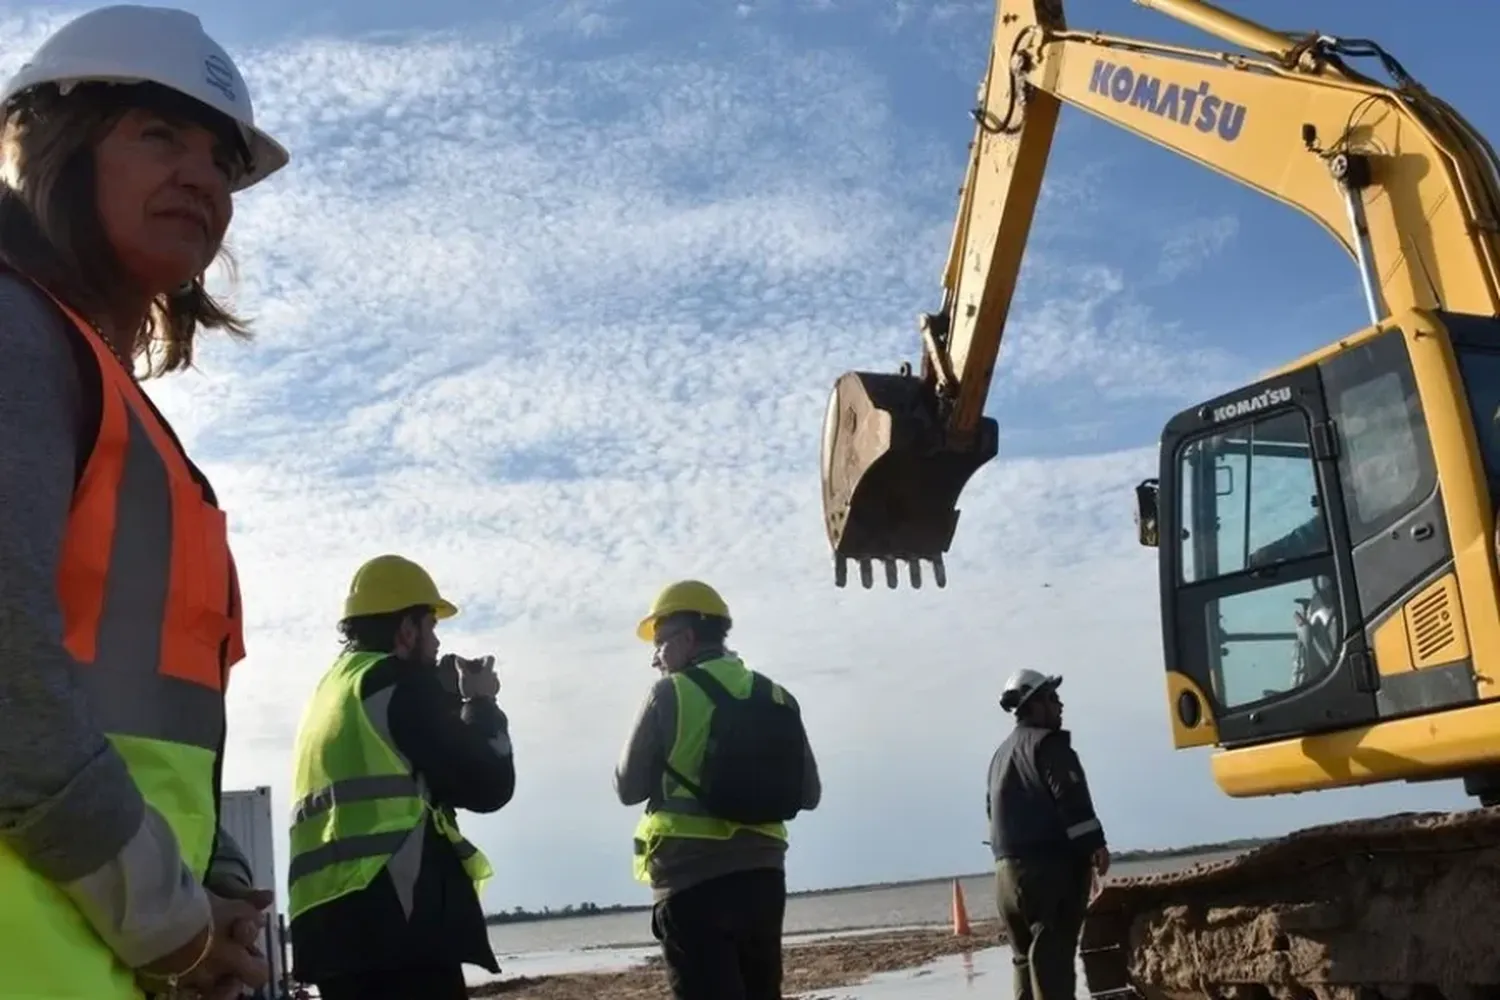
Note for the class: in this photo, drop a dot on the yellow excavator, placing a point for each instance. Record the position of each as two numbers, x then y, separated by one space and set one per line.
1325 537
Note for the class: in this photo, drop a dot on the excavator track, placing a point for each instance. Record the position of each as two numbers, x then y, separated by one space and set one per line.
1403 906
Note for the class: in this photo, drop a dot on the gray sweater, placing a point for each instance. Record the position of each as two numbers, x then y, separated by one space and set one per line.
681 862
67 804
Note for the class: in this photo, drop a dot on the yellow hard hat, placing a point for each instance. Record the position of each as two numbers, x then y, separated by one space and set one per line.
684 595
389 583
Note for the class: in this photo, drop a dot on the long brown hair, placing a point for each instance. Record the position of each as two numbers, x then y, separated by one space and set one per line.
50 229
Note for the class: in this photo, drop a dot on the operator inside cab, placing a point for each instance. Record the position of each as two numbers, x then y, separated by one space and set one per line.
1316 617
1368 473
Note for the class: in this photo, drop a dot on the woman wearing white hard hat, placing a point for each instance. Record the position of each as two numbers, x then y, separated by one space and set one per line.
122 141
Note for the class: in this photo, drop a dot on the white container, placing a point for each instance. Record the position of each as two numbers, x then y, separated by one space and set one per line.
246 815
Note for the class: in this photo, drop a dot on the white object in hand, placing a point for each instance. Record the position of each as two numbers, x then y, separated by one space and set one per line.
477 678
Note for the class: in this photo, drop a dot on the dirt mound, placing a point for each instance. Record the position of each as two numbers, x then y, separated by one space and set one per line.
816 965
1385 906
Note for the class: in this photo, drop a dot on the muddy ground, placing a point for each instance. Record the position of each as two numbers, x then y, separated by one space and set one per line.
816 965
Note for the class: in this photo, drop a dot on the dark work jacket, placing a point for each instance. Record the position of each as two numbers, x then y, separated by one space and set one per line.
1039 802
447 742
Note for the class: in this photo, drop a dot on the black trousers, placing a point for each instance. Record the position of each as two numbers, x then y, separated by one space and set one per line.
721 939
428 982
1043 902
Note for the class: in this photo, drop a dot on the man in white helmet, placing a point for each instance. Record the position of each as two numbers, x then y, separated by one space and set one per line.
1046 840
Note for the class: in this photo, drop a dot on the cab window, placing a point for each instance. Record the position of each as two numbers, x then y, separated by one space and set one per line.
1250 500
1273 639
1385 459
1249 497
1481 374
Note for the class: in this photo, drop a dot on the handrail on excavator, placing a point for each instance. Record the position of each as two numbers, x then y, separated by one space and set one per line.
1392 173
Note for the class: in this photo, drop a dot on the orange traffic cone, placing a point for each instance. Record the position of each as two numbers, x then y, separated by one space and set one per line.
960 912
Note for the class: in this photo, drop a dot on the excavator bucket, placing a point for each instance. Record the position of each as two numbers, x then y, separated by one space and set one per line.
891 480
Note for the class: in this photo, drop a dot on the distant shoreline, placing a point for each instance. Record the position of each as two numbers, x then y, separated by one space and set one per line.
592 910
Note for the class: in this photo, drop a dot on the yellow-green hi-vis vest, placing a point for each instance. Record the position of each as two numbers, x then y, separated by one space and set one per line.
675 813
358 809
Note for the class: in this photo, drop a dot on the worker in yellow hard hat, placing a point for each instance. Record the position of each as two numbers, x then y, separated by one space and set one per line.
384 889
712 842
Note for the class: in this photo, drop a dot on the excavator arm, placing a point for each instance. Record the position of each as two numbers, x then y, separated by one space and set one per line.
1391 172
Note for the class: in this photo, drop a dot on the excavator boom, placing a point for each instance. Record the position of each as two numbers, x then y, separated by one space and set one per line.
1393 174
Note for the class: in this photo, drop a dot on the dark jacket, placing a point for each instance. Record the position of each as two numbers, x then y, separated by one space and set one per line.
1038 802
463 752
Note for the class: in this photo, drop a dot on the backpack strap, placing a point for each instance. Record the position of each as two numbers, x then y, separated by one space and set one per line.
694 789
761 687
720 696
709 685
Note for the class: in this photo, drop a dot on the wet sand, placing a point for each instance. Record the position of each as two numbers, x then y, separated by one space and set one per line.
808 966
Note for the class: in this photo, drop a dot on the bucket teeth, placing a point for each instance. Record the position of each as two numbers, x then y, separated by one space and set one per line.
891 476
892 571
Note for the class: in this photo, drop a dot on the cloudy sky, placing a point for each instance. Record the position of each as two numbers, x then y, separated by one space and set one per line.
551 301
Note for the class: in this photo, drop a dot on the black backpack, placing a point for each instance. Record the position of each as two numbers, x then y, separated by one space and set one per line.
754 757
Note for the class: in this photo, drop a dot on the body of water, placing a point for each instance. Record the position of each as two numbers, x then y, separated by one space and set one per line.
985 973
627 936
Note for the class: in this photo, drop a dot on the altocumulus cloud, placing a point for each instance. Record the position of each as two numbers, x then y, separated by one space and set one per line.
563 328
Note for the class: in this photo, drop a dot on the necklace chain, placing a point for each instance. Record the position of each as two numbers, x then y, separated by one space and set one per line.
127 365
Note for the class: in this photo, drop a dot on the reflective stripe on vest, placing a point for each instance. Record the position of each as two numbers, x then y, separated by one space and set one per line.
476 865
360 809
149 601
675 812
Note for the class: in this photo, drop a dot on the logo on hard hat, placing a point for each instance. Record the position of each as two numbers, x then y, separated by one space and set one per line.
218 74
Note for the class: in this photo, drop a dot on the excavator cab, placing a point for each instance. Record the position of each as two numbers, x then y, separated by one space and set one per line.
1324 541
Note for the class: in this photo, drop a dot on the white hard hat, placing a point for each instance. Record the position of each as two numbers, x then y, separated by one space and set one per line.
1022 685
133 44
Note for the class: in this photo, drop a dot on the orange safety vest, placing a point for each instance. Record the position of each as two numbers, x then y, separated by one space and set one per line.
151 612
